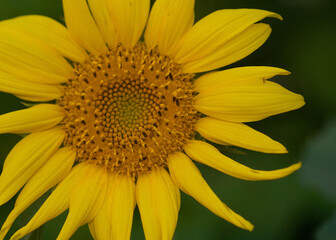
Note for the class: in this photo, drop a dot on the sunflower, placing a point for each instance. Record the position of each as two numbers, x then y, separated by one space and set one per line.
120 117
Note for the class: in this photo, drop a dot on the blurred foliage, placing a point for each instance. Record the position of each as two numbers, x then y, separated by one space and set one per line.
285 209
320 175
327 231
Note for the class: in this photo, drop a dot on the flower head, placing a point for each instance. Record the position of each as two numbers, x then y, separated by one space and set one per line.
122 115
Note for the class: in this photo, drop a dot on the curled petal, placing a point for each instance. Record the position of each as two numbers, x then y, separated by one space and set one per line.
186 175
207 154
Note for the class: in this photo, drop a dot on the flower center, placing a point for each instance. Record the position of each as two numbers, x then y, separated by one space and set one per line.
128 109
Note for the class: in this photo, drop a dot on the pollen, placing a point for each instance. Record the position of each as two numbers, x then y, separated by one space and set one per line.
128 109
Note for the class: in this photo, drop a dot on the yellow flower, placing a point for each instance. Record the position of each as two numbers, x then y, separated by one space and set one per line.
122 127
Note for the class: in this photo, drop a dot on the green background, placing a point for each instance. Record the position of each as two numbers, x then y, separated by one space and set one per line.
301 206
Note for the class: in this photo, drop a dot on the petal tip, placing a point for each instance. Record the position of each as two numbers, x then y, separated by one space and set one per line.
300 101
277 16
285 72
283 150
246 225
250 227
297 166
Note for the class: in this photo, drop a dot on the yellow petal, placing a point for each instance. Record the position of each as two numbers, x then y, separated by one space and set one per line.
226 77
51 33
26 158
169 20
149 219
37 118
186 175
233 50
247 101
207 154
159 203
50 174
32 59
237 134
86 200
129 17
100 226
82 26
215 30
30 91
121 204
103 20
166 199
56 203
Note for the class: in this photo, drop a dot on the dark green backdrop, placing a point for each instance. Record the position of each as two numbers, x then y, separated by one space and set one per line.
301 206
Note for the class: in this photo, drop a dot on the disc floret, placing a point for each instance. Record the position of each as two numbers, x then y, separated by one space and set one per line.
128 109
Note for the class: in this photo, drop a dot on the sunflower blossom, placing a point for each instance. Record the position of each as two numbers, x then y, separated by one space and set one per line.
117 129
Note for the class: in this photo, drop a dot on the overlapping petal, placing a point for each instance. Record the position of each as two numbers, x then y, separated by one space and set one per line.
129 19
237 134
219 36
86 199
121 203
166 198
233 50
51 32
247 101
159 203
100 226
149 219
82 26
50 174
55 204
36 92
33 64
37 118
169 20
207 154
26 158
32 59
186 175
104 21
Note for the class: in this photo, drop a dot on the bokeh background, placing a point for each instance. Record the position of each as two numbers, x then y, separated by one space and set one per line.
299 207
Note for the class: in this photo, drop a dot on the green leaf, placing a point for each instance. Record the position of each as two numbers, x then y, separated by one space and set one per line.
319 161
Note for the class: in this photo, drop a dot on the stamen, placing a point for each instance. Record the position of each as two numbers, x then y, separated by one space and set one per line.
128 109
